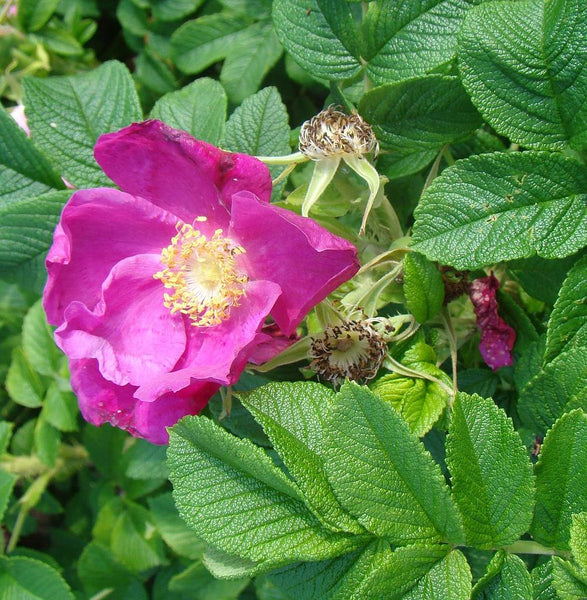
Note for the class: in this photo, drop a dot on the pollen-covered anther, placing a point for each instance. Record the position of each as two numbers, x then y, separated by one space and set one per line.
203 274
353 350
334 133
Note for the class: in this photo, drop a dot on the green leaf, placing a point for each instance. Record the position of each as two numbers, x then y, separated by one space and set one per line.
33 14
24 170
199 108
98 569
293 416
542 582
37 342
199 43
579 540
153 73
569 582
382 474
197 582
173 10
342 578
26 233
423 287
523 66
422 573
47 441
259 126
567 326
31 579
60 408
494 207
320 35
561 473
68 114
23 383
176 534
490 471
506 579
250 58
558 388
420 114
7 481
412 38
210 468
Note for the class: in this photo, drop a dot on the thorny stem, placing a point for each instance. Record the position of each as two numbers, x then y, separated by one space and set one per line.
452 341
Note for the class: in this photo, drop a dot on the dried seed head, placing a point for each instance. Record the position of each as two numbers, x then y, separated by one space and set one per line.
354 350
334 133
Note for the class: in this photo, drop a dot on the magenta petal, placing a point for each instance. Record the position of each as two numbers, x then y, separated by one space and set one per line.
133 336
101 401
219 353
497 337
307 261
179 173
98 228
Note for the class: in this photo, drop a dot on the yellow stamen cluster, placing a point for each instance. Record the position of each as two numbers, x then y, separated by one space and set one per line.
203 275
334 133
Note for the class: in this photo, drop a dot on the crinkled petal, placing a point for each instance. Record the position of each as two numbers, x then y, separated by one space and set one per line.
497 337
179 173
98 228
102 401
219 353
131 334
307 261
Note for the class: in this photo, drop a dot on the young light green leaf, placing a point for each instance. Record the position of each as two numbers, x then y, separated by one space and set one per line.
47 441
199 108
567 326
494 207
491 473
422 573
506 579
410 38
382 474
250 58
23 383
38 343
570 583
420 114
423 287
343 578
24 170
199 43
558 388
579 540
23 577
293 416
60 408
269 522
529 81
68 114
320 35
561 473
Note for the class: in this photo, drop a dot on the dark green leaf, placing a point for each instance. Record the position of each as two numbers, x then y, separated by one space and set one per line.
33 14
29 579
523 66
500 206
7 481
542 582
561 473
173 10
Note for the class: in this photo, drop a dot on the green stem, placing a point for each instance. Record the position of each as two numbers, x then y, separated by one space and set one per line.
531 547
296 157
22 513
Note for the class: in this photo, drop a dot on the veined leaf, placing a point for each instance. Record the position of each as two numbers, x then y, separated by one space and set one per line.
579 540
569 582
68 114
320 35
382 474
567 326
423 287
230 493
38 343
23 577
491 473
420 114
542 582
506 577
33 14
410 38
558 388
173 10
198 108
293 416
24 171
561 473
523 64
494 207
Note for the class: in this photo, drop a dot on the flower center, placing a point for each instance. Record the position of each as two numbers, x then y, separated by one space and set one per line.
203 275
353 350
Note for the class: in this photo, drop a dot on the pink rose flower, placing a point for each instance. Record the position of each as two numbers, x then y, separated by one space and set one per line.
160 291
497 337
